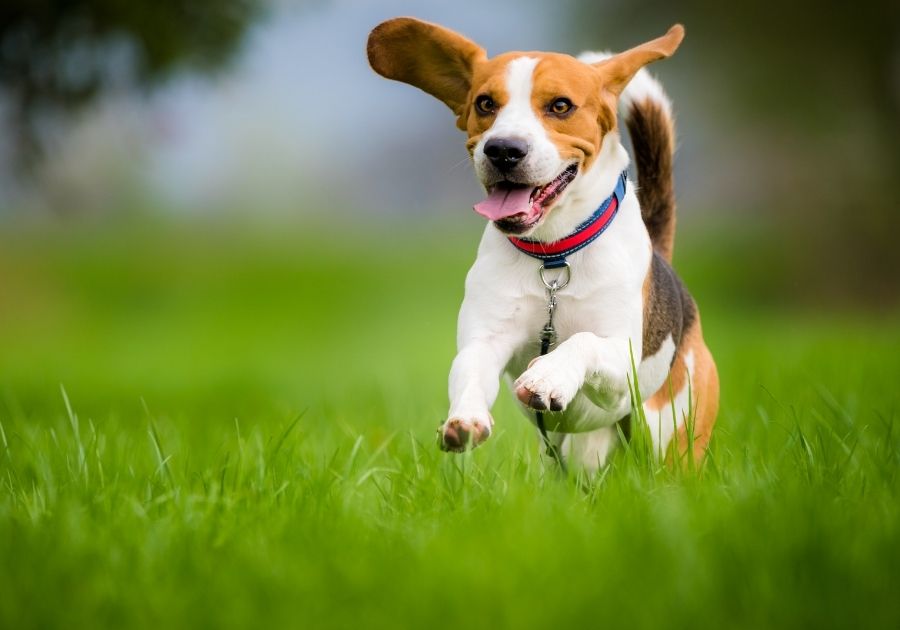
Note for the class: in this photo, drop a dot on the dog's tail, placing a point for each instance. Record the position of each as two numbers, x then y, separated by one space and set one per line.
651 126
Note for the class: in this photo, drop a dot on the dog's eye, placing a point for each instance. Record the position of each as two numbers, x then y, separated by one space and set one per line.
560 107
485 105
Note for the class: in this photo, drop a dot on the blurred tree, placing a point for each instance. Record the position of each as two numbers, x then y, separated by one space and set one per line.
58 55
806 97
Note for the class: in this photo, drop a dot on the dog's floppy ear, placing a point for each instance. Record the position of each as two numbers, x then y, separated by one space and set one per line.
428 56
618 70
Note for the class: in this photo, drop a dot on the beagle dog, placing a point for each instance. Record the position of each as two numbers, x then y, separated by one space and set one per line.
575 260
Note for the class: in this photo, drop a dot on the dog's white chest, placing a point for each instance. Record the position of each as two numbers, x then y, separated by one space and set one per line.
602 311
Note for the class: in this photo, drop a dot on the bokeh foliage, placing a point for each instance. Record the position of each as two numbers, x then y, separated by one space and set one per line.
804 102
58 55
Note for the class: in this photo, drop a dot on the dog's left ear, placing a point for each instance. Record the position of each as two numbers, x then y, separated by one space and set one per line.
430 57
618 70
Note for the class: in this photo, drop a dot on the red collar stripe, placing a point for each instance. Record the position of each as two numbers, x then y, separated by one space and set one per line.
554 254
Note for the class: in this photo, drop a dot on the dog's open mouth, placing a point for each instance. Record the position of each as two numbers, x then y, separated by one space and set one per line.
515 208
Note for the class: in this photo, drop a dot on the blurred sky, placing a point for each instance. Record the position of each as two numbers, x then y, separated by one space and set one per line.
302 116
298 121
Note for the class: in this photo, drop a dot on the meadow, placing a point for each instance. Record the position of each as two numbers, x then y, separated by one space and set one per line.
214 426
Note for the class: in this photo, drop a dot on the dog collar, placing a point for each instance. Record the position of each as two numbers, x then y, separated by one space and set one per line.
554 254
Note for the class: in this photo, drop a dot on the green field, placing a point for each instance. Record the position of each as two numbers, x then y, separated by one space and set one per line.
221 427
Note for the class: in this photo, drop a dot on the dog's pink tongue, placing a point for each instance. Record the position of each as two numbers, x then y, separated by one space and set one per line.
505 202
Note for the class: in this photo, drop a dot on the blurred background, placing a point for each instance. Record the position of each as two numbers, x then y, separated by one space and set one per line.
231 261
251 110
179 180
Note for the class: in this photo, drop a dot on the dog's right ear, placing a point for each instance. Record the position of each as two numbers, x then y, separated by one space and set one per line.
618 70
428 56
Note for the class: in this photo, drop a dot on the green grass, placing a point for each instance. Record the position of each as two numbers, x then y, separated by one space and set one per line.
222 428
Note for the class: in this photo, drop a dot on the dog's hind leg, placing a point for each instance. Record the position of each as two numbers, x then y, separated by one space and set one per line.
686 405
586 452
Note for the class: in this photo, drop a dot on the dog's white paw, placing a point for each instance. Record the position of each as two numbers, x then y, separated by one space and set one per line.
548 384
457 434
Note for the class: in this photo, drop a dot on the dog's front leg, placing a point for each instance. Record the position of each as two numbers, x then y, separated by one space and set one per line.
474 383
599 364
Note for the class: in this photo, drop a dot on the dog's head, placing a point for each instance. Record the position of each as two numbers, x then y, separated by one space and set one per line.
535 120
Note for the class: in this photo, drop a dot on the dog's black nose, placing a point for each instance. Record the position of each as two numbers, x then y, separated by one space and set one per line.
505 153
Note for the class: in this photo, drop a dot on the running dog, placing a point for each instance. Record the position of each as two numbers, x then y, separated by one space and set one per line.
575 260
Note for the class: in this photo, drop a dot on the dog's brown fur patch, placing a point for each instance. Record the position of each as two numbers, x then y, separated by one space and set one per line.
432 58
705 401
668 307
653 141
